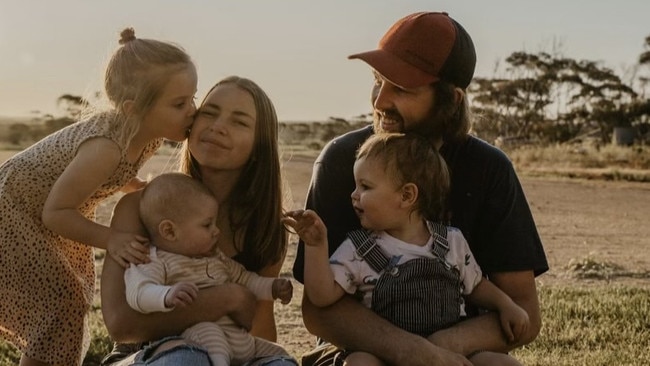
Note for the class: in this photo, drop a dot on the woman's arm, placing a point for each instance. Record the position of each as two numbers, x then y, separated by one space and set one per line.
127 325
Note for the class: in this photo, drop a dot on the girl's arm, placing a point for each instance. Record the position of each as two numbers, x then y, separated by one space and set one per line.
127 325
94 163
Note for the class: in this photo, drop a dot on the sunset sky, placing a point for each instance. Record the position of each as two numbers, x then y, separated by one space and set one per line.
296 50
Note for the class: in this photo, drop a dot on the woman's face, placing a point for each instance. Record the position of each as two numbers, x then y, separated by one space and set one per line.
223 134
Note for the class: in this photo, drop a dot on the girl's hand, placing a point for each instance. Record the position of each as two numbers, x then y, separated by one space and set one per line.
283 290
308 226
127 248
181 294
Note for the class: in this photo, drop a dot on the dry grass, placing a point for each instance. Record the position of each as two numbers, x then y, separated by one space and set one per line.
609 162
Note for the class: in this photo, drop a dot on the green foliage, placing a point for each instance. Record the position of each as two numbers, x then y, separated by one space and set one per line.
554 99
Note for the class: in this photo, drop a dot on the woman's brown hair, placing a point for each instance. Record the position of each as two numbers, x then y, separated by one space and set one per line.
260 236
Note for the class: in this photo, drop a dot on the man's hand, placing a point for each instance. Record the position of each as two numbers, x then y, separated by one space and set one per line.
283 290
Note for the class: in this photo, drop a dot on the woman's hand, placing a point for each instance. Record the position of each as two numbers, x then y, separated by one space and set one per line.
127 248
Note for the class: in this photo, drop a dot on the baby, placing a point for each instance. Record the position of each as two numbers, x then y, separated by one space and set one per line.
180 215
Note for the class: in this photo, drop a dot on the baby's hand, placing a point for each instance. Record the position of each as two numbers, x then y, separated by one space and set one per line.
181 294
127 248
308 226
514 322
283 290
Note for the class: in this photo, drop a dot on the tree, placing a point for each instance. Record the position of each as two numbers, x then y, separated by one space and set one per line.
553 98
17 133
73 105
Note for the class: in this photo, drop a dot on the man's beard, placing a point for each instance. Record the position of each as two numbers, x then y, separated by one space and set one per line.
431 126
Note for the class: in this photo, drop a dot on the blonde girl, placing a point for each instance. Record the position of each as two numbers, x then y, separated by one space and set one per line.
49 192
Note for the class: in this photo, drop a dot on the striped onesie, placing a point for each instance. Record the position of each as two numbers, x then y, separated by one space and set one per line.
226 342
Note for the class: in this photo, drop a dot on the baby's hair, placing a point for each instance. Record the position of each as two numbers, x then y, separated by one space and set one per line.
410 158
170 196
138 71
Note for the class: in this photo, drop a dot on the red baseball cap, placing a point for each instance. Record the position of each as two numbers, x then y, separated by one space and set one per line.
423 48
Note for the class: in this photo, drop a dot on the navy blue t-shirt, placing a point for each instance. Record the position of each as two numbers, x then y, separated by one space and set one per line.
487 203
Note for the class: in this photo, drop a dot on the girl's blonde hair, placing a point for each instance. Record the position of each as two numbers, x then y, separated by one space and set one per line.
138 71
410 158
256 216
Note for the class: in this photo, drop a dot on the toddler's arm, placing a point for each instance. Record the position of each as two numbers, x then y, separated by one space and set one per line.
514 319
320 286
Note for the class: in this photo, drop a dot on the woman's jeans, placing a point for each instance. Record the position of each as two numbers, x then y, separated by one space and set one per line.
188 354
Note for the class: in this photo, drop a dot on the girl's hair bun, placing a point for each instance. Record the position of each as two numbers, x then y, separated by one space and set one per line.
127 35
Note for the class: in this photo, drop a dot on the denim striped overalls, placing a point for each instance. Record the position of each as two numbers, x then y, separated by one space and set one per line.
421 295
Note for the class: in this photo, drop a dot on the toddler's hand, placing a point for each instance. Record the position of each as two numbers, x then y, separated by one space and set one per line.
283 290
181 294
127 248
308 226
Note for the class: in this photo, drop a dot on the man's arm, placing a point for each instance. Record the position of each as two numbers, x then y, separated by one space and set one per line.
484 332
395 346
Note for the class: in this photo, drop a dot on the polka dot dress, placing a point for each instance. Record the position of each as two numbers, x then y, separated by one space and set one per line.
46 281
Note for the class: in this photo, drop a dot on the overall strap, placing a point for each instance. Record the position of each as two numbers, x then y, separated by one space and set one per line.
440 246
367 248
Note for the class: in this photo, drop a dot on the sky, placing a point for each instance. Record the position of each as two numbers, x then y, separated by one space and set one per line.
296 50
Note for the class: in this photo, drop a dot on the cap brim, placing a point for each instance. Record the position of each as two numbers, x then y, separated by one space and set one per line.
395 70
